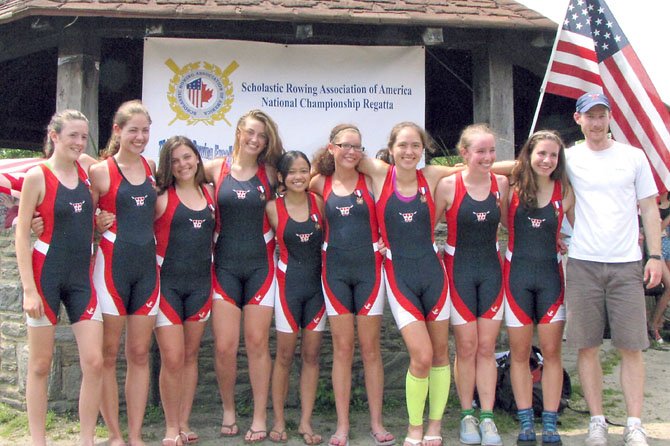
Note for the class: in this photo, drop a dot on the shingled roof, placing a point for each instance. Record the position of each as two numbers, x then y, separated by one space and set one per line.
501 14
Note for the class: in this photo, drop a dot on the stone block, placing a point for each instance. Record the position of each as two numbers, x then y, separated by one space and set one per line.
11 296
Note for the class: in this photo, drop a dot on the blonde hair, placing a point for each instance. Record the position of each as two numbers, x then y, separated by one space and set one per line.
124 114
273 148
57 123
468 133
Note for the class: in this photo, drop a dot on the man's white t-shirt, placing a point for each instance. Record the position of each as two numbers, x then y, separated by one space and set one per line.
608 185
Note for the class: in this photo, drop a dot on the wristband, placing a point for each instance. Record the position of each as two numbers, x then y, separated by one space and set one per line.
654 256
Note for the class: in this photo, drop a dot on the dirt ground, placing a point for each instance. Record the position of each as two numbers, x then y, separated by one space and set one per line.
656 415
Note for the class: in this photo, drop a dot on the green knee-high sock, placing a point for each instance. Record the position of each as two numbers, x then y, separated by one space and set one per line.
416 390
438 391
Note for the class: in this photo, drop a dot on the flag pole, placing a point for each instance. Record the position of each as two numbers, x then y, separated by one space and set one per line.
546 73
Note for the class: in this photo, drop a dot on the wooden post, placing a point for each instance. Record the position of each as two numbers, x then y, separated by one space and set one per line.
494 96
78 79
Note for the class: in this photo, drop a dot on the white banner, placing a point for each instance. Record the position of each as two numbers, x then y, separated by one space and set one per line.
200 88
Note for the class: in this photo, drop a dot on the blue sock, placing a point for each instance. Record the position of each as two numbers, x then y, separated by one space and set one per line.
549 420
526 419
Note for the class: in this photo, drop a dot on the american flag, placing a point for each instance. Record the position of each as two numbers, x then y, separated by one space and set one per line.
592 54
195 92
12 172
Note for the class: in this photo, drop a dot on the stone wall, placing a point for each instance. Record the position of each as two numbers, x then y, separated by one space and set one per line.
65 375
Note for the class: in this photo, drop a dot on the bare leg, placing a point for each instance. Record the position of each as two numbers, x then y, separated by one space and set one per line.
520 341
342 331
466 362
310 345
193 332
171 343
40 355
551 336
487 374
89 342
286 343
109 406
591 378
257 321
632 381
226 328
138 343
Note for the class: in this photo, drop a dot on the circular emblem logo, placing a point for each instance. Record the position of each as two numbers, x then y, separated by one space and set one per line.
200 92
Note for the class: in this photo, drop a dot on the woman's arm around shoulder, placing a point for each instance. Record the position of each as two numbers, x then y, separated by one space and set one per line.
100 181
317 183
212 169
434 173
271 172
444 196
503 188
319 203
271 212
161 204
86 161
568 199
376 170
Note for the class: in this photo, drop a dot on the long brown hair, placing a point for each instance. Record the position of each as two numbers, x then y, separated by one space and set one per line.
124 113
57 123
324 161
164 176
524 179
273 148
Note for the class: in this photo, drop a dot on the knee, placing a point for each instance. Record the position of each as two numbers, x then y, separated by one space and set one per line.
190 357
137 355
551 353
344 351
110 356
257 345
371 353
486 349
92 364
40 367
466 350
422 362
520 355
226 351
310 358
172 362
284 357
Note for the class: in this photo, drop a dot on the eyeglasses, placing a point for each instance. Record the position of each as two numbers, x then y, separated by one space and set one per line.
346 147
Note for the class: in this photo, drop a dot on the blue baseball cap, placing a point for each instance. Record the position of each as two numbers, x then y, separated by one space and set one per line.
589 100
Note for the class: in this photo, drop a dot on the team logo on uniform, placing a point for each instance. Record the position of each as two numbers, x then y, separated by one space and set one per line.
436 311
407 217
481 216
368 306
359 196
139 201
149 304
258 298
536 222
77 207
241 194
344 210
550 313
197 223
494 308
304 238
90 310
316 319
200 92
202 315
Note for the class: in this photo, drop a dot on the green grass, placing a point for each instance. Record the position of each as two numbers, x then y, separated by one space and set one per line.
609 360
449 160
18 153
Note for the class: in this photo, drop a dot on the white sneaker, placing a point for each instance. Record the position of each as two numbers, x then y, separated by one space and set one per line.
597 434
469 433
635 436
489 431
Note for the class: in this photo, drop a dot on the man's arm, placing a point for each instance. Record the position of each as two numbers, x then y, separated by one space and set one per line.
651 221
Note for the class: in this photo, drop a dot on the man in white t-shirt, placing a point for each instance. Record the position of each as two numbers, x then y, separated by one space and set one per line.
605 275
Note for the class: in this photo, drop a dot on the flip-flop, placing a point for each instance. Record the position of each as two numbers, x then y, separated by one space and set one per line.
171 441
382 434
233 430
313 438
282 436
189 437
248 438
413 441
431 438
338 440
